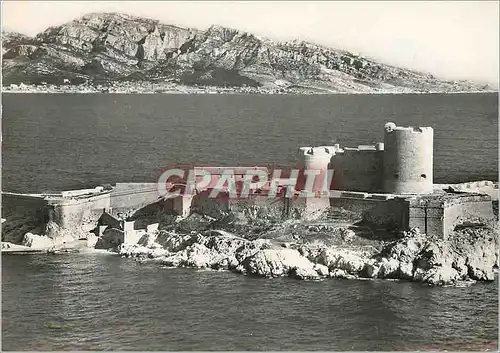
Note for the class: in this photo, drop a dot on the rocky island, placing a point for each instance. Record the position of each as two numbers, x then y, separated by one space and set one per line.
315 251
384 218
119 53
334 246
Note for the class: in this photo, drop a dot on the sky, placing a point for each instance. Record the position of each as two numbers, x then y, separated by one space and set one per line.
450 39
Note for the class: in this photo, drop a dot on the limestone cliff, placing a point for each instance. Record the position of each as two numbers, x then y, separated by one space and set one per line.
104 47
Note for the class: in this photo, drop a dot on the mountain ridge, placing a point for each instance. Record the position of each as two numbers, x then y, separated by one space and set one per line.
115 47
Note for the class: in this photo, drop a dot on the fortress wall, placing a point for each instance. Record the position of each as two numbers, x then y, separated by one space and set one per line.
203 203
439 214
254 205
408 159
37 211
429 220
468 212
282 207
389 214
80 192
483 187
68 213
358 170
382 212
127 197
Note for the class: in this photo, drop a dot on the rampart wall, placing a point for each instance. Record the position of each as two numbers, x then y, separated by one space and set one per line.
439 215
78 206
379 211
483 187
469 212
428 219
204 204
126 197
72 212
358 169
435 214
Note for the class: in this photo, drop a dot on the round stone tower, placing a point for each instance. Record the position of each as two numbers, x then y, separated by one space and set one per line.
408 159
316 160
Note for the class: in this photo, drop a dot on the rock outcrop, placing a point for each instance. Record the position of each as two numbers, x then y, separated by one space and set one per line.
105 47
469 255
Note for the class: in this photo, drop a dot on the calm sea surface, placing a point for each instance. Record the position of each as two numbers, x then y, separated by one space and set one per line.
81 302
60 141
92 302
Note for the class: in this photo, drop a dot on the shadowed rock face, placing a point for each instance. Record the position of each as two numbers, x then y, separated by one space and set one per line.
470 254
127 47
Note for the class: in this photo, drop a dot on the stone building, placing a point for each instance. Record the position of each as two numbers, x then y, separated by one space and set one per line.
391 185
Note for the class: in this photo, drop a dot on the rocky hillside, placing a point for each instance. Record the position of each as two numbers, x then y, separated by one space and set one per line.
106 47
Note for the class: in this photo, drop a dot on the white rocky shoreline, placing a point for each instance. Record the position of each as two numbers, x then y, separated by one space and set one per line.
300 250
414 257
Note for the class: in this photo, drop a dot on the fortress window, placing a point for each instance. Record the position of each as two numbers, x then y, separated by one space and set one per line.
423 176
396 176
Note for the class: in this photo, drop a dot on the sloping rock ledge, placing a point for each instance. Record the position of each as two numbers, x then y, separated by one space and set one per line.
470 255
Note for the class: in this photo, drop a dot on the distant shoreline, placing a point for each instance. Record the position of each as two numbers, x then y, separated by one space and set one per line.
222 91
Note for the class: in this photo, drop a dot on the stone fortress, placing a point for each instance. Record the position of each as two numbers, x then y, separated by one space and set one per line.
402 164
389 185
